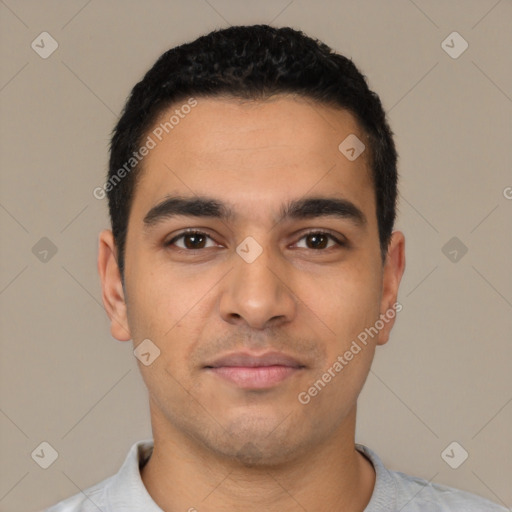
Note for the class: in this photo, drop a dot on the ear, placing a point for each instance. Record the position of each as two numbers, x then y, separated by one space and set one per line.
392 272
112 287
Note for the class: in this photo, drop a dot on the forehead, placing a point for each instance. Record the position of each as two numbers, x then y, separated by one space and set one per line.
251 153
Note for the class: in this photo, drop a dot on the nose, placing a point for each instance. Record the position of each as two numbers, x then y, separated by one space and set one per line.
258 293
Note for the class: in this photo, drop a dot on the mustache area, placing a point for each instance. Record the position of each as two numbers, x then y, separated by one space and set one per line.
308 351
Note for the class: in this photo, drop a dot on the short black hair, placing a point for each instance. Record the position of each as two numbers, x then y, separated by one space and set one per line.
254 63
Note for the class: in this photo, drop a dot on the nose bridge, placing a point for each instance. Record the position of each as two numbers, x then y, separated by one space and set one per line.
256 290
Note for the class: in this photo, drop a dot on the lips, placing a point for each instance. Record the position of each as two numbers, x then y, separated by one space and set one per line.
252 361
250 371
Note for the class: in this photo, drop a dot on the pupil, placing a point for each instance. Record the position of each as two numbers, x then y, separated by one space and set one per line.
193 244
316 237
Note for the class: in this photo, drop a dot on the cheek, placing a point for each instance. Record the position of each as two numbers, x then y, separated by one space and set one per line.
158 300
172 318
348 300
333 393
354 308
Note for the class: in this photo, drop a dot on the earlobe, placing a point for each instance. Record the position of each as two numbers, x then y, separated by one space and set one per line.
392 273
112 287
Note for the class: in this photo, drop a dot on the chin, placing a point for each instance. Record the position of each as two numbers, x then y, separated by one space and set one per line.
259 443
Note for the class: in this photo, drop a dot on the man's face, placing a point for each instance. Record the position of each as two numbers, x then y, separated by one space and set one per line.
241 333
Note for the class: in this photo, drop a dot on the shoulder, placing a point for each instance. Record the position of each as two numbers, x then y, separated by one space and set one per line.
123 491
395 491
90 500
415 494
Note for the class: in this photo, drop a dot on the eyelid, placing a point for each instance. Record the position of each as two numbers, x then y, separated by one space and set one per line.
189 231
339 240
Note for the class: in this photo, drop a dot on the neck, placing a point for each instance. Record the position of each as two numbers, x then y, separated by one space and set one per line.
181 475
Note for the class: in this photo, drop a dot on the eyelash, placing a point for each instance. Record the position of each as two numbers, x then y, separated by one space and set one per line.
339 242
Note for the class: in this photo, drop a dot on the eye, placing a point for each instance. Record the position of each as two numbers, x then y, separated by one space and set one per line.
192 240
196 240
319 239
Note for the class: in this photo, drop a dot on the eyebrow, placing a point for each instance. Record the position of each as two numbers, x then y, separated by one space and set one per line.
202 206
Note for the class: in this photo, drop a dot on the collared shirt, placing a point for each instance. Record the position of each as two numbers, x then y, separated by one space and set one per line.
393 491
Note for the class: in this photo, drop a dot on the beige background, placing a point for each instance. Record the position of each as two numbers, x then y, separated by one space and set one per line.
445 374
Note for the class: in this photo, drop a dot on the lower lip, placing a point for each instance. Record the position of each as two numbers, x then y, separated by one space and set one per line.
259 377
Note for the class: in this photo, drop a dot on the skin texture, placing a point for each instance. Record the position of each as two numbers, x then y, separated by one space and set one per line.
217 446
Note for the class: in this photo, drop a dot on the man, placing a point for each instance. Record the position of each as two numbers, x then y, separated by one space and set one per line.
252 261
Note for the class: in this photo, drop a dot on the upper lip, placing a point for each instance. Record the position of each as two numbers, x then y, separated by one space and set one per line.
247 359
